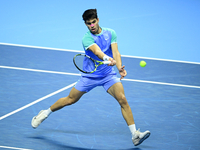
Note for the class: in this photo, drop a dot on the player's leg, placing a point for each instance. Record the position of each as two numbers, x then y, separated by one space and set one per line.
72 98
117 91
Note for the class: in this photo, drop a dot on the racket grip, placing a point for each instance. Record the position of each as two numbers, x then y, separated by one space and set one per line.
106 62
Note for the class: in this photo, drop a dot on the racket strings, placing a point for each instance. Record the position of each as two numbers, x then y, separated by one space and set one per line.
85 64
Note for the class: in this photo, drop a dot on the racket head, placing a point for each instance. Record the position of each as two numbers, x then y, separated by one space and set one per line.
85 63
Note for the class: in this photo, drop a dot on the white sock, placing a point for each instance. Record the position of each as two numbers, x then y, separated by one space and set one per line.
48 112
132 128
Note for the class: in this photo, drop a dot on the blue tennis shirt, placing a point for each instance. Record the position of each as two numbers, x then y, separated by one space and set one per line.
104 41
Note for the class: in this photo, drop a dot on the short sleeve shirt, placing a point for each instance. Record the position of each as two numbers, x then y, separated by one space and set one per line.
104 41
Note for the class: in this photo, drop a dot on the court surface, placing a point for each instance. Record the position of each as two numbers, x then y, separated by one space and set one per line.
164 97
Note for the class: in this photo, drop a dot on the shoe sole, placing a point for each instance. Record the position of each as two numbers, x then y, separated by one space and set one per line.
144 138
32 123
34 118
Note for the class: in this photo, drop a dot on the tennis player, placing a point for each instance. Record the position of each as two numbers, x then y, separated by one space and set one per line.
100 44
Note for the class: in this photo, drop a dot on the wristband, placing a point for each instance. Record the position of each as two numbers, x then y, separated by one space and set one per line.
106 58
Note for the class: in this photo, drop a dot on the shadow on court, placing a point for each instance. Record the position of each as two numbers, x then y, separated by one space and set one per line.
60 146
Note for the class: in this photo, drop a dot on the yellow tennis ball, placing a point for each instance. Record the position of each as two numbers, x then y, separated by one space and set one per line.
143 63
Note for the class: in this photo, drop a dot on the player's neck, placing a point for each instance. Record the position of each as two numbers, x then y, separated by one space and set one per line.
99 31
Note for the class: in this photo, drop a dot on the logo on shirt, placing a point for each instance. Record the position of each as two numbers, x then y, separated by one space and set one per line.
106 36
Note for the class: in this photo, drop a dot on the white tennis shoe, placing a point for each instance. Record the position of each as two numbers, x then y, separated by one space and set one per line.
37 120
139 137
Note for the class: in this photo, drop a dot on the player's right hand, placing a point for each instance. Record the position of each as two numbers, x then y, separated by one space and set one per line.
113 62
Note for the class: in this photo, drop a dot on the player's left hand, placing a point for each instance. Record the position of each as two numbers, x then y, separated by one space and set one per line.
122 72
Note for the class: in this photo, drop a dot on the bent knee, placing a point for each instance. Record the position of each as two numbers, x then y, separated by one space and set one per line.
122 100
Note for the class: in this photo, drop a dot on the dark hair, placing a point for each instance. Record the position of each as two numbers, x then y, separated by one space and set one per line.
89 14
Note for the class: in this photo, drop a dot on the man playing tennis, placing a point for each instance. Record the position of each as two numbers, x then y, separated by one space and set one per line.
100 44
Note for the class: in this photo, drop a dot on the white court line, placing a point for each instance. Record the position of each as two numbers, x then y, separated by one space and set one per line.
14 148
47 48
38 70
162 83
78 51
65 73
177 61
38 100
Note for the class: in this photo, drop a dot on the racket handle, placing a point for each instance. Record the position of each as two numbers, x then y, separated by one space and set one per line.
106 62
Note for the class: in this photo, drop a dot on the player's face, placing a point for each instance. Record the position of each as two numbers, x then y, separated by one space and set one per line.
93 26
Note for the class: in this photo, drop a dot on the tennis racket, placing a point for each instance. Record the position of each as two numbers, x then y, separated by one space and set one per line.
86 64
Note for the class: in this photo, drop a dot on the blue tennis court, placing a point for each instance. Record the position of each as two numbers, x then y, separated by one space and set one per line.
164 97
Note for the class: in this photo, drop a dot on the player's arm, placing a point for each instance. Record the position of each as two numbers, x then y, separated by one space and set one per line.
117 57
97 51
